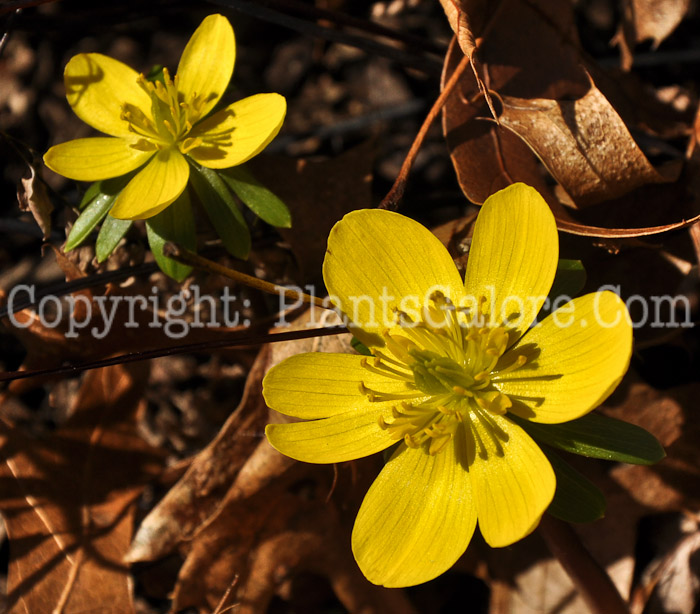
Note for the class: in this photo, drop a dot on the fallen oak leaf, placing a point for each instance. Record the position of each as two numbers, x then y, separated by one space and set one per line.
69 500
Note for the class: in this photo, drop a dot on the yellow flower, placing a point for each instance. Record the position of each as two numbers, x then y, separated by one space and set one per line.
452 362
156 125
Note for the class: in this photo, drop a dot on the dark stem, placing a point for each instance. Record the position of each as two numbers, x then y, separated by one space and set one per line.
234 340
391 200
591 580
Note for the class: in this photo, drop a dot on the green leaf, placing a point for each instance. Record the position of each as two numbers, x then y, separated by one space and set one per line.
109 187
222 210
360 347
257 197
175 223
598 436
94 189
111 233
569 280
576 499
91 216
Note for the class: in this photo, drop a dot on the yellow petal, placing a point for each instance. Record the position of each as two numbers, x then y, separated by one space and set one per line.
513 257
321 385
240 131
342 437
512 479
97 87
379 260
576 358
153 188
94 159
416 520
206 64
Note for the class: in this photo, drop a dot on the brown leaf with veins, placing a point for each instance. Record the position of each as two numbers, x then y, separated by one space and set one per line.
584 144
68 501
533 62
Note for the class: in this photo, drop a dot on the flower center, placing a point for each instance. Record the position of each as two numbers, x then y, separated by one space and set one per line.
450 364
171 119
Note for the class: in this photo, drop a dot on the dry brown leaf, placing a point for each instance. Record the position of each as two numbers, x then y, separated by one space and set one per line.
318 194
69 500
674 483
268 536
532 60
647 20
526 52
33 197
197 494
584 144
465 18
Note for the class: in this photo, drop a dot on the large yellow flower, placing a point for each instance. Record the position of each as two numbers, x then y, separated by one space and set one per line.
156 124
453 362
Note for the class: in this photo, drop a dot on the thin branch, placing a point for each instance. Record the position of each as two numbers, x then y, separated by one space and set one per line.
185 256
342 19
591 580
426 64
235 340
391 200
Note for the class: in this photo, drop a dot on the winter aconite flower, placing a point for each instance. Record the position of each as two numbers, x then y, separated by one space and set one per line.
155 126
455 367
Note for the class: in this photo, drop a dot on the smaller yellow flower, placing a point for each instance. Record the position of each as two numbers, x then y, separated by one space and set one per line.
158 125
456 367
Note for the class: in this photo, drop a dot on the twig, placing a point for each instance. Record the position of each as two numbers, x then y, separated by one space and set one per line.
83 283
8 28
342 19
235 340
190 258
391 200
426 64
592 582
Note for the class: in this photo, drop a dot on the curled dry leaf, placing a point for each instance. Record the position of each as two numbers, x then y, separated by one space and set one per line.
584 144
532 60
33 197
68 501
529 50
